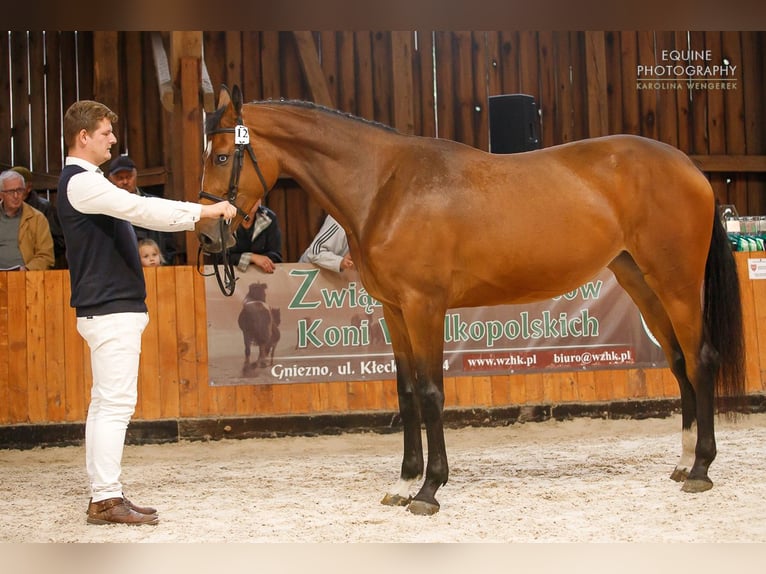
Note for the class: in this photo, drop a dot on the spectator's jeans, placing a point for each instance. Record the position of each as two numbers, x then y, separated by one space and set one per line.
115 347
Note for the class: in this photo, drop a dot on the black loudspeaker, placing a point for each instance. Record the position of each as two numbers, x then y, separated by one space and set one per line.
514 124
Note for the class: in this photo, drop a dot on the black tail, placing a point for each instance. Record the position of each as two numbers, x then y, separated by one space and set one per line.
723 318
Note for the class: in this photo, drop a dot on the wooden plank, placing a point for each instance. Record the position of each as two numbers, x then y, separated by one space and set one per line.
251 68
312 69
5 101
579 84
18 387
294 85
191 139
149 405
510 67
233 42
667 117
560 127
207 396
20 133
734 114
595 66
716 128
529 74
270 64
533 388
346 80
482 391
76 382
445 109
53 104
365 106
547 101
5 409
401 70
168 341
132 129
37 99
54 347
381 77
501 390
698 106
188 377
631 113
647 98
34 345
423 103
462 93
614 73
106 73
480 72
684 124
731 163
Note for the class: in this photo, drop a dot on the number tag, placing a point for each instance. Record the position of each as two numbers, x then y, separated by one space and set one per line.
241 135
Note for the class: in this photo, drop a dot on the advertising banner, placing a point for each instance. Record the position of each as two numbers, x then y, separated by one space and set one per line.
314 325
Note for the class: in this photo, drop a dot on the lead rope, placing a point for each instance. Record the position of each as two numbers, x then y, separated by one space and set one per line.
227 281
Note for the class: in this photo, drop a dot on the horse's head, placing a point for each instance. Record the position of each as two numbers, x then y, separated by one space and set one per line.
257 292
230 170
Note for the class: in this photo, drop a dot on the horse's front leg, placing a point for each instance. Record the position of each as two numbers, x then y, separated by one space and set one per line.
425 324
409 410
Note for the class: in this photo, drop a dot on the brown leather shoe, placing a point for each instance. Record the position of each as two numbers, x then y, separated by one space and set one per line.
139 509
117 511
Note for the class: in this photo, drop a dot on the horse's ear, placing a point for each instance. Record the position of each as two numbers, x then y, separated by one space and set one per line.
224 96
236 98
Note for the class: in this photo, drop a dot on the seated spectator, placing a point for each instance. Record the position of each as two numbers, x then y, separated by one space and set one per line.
44 206
25 236
259 241
329 249
150 253
123 174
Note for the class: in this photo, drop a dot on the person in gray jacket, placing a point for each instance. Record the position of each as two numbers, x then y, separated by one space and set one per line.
329 249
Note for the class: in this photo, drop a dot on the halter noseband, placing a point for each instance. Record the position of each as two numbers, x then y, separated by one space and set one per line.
241 143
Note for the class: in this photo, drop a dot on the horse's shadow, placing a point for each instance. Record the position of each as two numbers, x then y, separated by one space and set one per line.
260 327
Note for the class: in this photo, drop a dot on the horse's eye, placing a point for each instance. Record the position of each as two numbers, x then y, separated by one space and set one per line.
221 158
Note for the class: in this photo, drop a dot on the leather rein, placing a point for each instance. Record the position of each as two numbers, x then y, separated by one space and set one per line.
226 278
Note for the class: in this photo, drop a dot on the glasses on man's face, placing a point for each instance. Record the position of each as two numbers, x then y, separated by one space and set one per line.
15 191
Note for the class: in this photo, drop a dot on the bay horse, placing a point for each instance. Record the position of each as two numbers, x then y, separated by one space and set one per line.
434 224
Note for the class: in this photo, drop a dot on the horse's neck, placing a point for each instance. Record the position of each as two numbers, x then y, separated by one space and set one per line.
331 158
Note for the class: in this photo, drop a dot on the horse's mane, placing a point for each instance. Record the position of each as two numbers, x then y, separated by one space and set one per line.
325 109
213 120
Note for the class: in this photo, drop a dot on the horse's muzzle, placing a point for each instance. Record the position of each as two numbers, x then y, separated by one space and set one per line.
210 239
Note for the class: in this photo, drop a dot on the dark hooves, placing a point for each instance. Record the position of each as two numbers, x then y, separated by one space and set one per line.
422 508
697 485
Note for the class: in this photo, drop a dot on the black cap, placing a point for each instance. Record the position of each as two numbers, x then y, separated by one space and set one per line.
121 163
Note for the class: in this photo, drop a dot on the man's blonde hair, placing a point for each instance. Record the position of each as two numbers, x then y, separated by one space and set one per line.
84 115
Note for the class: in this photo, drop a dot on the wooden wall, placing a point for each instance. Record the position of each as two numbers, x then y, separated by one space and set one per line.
434 83
45 365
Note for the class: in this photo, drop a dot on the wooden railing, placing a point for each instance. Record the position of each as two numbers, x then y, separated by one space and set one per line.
45 366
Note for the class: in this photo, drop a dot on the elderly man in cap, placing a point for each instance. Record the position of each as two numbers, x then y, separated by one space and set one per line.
122 173
44 206
25 238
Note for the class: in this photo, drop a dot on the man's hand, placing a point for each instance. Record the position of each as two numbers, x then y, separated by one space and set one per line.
221 209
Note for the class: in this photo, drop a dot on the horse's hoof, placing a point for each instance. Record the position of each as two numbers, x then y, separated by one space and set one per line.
395 500
697 485
422 508
679 475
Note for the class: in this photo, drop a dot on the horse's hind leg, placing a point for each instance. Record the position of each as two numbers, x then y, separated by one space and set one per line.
632 280
409 410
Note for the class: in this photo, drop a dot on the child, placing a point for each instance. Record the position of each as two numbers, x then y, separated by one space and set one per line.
150 253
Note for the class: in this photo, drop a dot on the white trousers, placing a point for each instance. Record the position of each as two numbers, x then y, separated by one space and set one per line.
115 348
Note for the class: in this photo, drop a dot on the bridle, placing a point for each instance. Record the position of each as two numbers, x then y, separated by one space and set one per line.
226 278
